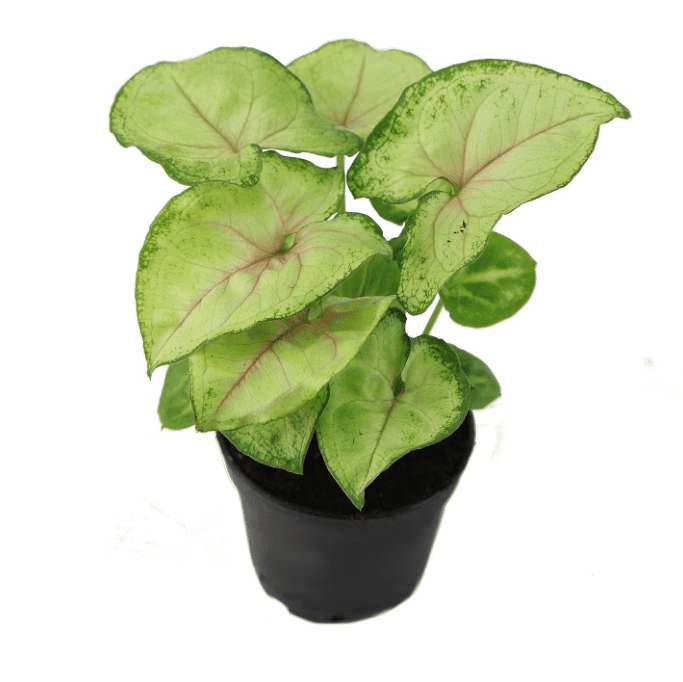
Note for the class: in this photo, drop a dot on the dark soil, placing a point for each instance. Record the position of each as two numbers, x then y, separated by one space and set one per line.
411 479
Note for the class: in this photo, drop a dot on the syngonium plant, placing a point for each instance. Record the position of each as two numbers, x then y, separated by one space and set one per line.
278 313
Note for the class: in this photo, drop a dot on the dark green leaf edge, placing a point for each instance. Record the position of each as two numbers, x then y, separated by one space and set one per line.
242 444
442 351
470 363
391 124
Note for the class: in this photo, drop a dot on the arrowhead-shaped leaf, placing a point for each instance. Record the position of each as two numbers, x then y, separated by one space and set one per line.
484 385
353 85
282 443
276 367
501 133
175 408
398 394
208 118
221 258
493 287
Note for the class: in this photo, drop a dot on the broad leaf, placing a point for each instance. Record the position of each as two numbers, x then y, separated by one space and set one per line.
208 118
493 287
175 408
398 394
221 258
501 133
484 387
282 443
353 85
276 367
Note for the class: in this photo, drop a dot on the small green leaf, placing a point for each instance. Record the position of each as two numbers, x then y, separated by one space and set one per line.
376 277
399 213
287 243
315 310
282 443
213 261
175 408
484 385
353 85
208 118
493 287
276 367
394 213
397 243
501 133
397 394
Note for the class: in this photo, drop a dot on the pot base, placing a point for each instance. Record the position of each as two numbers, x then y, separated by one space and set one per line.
345 615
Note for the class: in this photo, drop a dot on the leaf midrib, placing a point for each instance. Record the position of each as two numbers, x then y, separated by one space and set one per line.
354 96
466 182
232 145
300 321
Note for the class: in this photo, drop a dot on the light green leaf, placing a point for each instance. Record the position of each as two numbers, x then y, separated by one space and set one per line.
221 258
282 443
208 118
175 408
276 367
353 85
484 385
501 133
398 394
493 287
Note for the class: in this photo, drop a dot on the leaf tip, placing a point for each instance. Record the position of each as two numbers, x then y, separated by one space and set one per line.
623 112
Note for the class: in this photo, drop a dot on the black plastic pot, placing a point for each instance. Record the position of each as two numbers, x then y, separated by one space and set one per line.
325 560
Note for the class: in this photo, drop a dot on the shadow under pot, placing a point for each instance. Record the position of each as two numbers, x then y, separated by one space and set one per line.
325 560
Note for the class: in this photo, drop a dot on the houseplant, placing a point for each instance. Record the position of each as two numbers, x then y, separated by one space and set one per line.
281 315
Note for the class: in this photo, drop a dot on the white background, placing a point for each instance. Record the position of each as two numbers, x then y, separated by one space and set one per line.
124 555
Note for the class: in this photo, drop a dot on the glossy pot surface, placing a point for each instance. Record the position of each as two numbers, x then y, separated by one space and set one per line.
314 551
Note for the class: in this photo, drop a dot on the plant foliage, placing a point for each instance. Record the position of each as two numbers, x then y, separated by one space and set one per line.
278 313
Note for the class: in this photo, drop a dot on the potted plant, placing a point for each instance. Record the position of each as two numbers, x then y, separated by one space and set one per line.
281 316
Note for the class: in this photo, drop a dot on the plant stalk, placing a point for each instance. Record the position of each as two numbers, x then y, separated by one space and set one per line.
340 164
432 319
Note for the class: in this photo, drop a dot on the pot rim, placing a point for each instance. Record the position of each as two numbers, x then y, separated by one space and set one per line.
440 497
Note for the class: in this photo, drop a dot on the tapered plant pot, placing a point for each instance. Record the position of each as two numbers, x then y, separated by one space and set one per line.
325 560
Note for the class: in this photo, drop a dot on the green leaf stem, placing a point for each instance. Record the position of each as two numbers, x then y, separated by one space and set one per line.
397 394
493 287
501 133
209 118
275 367
220 258
353 85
